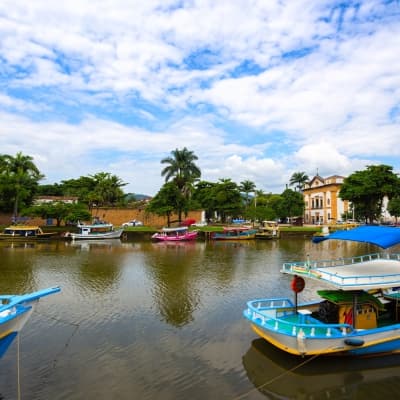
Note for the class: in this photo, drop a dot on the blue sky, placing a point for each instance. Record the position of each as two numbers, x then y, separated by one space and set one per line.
256 89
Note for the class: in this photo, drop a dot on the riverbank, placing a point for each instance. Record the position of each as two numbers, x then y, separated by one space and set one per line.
145 232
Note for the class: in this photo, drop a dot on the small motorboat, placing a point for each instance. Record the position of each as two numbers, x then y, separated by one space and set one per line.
177 234
235 233
25 232
97 230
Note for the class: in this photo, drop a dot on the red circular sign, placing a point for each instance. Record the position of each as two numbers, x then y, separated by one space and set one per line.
297 284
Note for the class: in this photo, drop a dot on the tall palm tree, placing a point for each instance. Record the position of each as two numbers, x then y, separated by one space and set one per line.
181 169
298 180
22 174
247 187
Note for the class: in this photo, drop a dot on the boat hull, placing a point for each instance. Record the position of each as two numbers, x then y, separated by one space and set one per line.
318 238
96 236
180 238
25 238
15 310
13 321
245 235
297 332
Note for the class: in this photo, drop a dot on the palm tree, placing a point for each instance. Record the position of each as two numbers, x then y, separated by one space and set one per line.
107 190
247 187
183 171
299 179
22 175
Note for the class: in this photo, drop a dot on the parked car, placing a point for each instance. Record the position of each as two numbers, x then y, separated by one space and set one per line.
200 224
134 222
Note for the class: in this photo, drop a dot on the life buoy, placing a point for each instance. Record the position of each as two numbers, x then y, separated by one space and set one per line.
297 284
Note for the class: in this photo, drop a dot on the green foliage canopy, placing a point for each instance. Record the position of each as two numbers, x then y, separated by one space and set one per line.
366 190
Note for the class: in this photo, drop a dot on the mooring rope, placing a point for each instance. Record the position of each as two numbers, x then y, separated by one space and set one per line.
68 340
18 372
242 396
57 355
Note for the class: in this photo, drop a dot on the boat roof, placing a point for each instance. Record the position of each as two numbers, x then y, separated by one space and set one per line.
175 229
236 228
373 271
94 225
341 296
382 236
23 227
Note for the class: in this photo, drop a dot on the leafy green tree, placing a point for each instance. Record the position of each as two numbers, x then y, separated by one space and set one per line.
101 189
55 189
366 190
182 170
227 199
394 207
203 196
19 179
168 199
60 211
81 188
298 180
291 204
264 207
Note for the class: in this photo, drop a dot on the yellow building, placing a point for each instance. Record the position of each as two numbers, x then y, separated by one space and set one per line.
322 202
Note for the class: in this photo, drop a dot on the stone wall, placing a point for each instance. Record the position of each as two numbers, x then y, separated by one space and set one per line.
116 216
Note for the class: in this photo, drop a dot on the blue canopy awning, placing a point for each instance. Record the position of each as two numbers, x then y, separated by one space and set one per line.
382 236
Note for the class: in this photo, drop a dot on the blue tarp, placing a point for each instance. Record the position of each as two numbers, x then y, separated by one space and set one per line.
382 236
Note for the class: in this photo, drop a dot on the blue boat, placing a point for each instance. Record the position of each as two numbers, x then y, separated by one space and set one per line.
359 315
235 233
15 311
321 236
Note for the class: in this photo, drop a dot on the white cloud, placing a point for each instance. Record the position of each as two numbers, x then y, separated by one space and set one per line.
256 89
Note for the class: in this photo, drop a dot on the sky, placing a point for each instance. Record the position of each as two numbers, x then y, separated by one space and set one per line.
257 89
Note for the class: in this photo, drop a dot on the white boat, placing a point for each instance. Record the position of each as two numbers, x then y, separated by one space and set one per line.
15 311
360 315
97 230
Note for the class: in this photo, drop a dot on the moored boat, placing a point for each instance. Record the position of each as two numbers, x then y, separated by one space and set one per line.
97 230
320 236
177 234
235 233
359 315
25 232
268 230
15 311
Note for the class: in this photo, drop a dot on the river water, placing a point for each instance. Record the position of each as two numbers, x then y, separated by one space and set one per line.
142 320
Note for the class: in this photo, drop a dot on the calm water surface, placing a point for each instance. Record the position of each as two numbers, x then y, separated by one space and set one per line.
139 320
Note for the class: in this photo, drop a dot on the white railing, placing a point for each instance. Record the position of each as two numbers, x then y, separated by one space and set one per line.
288 267
267 313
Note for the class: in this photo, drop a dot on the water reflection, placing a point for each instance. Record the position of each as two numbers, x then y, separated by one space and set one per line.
171 269
93 245
155 321
279 375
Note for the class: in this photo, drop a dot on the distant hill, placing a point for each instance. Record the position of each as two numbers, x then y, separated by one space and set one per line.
137 197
